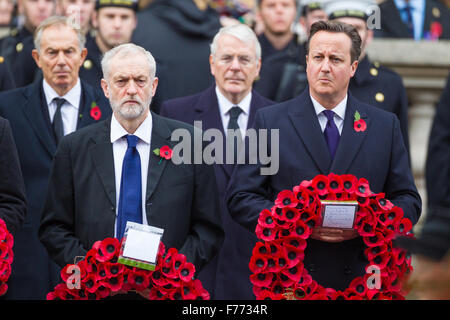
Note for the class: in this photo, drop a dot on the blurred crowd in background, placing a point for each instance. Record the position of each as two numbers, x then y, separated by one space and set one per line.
170 27
178 33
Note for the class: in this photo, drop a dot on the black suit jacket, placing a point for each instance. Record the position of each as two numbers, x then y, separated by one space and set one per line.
13 205
377 154
6 77
438 159
238 243
81 202
27 112
392 25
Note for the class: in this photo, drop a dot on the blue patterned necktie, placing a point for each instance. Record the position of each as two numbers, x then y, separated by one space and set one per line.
130 198
407 18
331 133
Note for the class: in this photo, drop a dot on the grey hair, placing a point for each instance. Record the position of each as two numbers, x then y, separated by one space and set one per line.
57 21
124 50
241 32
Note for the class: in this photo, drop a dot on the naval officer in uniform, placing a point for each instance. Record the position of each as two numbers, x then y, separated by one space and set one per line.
114 22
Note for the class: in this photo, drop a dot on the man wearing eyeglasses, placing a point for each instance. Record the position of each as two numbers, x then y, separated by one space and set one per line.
231 104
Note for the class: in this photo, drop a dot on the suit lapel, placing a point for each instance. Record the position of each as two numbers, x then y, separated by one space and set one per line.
88 97
350 141
102 155
207 109
34 114
393 19
253 108
304 119
160 137
208 112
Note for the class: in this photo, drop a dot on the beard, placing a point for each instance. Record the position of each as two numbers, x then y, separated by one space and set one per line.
130 111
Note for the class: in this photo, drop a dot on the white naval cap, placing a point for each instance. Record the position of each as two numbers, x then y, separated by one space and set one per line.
349 8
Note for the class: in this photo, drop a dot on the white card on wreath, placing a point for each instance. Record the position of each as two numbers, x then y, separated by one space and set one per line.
339 214
141 245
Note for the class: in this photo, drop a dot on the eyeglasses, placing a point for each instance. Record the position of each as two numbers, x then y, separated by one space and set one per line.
242 60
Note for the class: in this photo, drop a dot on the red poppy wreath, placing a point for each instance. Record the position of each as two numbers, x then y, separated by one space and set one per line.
277 261
6 256
101 276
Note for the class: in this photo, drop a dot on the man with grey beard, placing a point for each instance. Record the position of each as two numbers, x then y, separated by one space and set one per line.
110 174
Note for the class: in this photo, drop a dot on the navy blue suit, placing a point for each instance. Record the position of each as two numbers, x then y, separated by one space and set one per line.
377 154
27 111
227 275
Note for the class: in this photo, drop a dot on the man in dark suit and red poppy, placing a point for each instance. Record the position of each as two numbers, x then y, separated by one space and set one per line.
110 173
40 114
327 130
414 19
235 62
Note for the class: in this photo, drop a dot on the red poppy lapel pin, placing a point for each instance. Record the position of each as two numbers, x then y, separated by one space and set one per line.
95 113
164 152
359 124
436 30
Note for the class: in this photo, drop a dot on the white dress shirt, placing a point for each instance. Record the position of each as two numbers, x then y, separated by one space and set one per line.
70 108
120 145
225 105
339 114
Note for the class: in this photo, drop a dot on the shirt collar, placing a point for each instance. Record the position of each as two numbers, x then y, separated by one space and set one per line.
72 97
143 132
225 105
339 110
